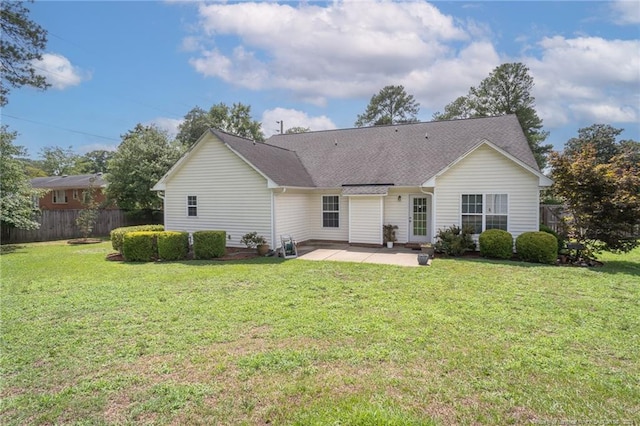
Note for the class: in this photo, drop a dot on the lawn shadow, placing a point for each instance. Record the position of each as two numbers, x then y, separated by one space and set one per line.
619 267
213 262
11 248
608 267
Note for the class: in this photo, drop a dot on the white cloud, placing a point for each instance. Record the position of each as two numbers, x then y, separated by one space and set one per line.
292 118
343 50
85 149
625 12
586 79
59 71
170 125
351 49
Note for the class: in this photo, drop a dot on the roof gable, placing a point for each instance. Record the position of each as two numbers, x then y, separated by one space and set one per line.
542 179
280 167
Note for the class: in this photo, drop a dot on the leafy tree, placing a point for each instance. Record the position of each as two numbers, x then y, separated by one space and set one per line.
94 161
507 90
143 157
88 216
603 198
236 120
391 105
16 194
297 129
601 136
22 42
58 161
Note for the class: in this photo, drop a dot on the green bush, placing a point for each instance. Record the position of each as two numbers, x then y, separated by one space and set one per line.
545 228
454 241
209 244
117 234
173 245
539 247
496 243
140 246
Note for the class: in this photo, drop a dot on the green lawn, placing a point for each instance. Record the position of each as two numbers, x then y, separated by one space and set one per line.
87 341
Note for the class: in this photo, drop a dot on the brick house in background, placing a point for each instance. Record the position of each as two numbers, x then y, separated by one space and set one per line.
65 192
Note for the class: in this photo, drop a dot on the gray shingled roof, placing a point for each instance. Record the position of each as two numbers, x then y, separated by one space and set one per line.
281 165
396 154
68 182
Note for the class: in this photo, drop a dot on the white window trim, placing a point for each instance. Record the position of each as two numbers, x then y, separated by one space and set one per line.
191 205
484 210
75 194
55 199
322 211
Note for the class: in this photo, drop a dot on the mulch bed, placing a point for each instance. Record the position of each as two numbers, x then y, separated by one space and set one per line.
231 253
85 241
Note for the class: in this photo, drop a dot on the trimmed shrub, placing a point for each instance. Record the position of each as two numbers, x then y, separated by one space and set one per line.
545 228
454 241
173 245
496 243
117 234
140 246
539 247
209 244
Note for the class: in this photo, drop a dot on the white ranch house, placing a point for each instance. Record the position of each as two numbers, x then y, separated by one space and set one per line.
343 185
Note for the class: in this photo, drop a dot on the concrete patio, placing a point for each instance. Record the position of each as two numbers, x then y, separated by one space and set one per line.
398 255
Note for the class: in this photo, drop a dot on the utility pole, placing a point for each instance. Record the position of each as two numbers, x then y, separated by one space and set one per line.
281 123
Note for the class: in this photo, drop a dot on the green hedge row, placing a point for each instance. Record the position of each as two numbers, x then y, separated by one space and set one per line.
209 244
117 234
140 246
173 245
147 243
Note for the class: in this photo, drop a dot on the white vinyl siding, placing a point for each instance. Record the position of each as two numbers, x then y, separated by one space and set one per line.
232 196
485 171
396 213
365 220
292 212
314 221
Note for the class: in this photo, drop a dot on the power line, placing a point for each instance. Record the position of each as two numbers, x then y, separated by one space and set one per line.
61 128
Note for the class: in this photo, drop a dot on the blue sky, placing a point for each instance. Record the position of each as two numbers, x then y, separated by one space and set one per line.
316 64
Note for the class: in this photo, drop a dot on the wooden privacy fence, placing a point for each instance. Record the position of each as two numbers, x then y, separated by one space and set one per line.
61 225
551 215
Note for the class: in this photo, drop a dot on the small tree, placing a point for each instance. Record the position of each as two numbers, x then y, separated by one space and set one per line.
603 198
235 119
17 207
88 216
391 105
507 90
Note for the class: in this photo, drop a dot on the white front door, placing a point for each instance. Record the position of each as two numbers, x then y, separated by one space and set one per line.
419 218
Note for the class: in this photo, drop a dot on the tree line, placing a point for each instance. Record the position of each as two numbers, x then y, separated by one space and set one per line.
596 176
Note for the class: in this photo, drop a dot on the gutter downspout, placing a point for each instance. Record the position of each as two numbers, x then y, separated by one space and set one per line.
273 216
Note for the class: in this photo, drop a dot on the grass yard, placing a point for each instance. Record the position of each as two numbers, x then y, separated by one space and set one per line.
266 341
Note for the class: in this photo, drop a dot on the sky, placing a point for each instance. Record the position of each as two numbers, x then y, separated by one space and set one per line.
113 64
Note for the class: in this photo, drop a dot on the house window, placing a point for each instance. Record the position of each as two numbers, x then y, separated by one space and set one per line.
330 211
484 211
75 194
59 196
192 205
496 212
472 212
